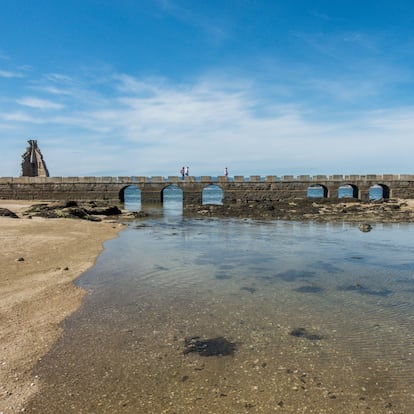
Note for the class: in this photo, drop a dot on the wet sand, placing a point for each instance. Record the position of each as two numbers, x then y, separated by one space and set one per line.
39 260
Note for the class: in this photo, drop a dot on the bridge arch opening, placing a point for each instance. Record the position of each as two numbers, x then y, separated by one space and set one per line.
317 191
348 191
212 194
172 197
131 197
378 192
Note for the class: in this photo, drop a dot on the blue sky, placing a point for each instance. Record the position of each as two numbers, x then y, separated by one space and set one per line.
269 87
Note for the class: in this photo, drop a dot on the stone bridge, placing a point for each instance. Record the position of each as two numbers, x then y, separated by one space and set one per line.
236 189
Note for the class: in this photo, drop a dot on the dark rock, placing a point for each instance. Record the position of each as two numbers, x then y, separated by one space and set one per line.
365 227
77 212
73 209
321 209
105 211
5 212
303 333
209 347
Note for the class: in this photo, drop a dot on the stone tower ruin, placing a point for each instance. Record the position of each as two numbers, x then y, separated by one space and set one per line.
33 164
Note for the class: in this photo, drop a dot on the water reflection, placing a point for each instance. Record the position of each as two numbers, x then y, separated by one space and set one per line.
172 201
212 194
132 198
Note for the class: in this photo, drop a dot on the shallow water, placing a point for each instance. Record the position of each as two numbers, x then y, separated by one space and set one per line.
321 317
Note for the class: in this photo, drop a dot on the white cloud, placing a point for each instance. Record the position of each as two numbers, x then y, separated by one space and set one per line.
152 127
38 103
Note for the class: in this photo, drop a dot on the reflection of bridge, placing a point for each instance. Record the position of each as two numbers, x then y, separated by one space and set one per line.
235 189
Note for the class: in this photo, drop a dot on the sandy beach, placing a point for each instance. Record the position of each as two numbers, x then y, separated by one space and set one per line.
40 258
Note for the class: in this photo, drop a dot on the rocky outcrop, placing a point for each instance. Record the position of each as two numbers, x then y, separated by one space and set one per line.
71 209
321 210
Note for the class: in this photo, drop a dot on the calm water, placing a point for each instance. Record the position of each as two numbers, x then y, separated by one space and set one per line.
172 197
321 315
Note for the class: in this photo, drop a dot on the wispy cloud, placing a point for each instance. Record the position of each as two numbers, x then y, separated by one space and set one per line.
201 21
321 16
151 126
9 74
38 103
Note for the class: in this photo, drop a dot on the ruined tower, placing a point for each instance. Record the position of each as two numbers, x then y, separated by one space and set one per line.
33 164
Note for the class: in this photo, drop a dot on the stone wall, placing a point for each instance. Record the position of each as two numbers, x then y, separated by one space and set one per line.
237 190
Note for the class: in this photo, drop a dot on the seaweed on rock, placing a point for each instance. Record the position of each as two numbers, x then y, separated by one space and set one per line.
209 347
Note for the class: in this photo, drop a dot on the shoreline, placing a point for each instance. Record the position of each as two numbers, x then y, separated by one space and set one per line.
41 258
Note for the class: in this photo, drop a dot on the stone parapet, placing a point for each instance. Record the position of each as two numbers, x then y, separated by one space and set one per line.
238 189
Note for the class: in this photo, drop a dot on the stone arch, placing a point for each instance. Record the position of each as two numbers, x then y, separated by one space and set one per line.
172 191
317 191
348 191
130 196
121 194
212 194
378 192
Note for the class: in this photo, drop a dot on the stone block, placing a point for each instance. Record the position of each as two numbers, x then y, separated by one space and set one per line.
390 177
239 178
352 177
125 180
173 179
305 178
141 179
287 178
38 180
6 180
271 178
87 179
21 180
157 179
109 179
54 180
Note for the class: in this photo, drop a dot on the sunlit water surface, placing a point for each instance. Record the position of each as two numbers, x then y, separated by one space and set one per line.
348 294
